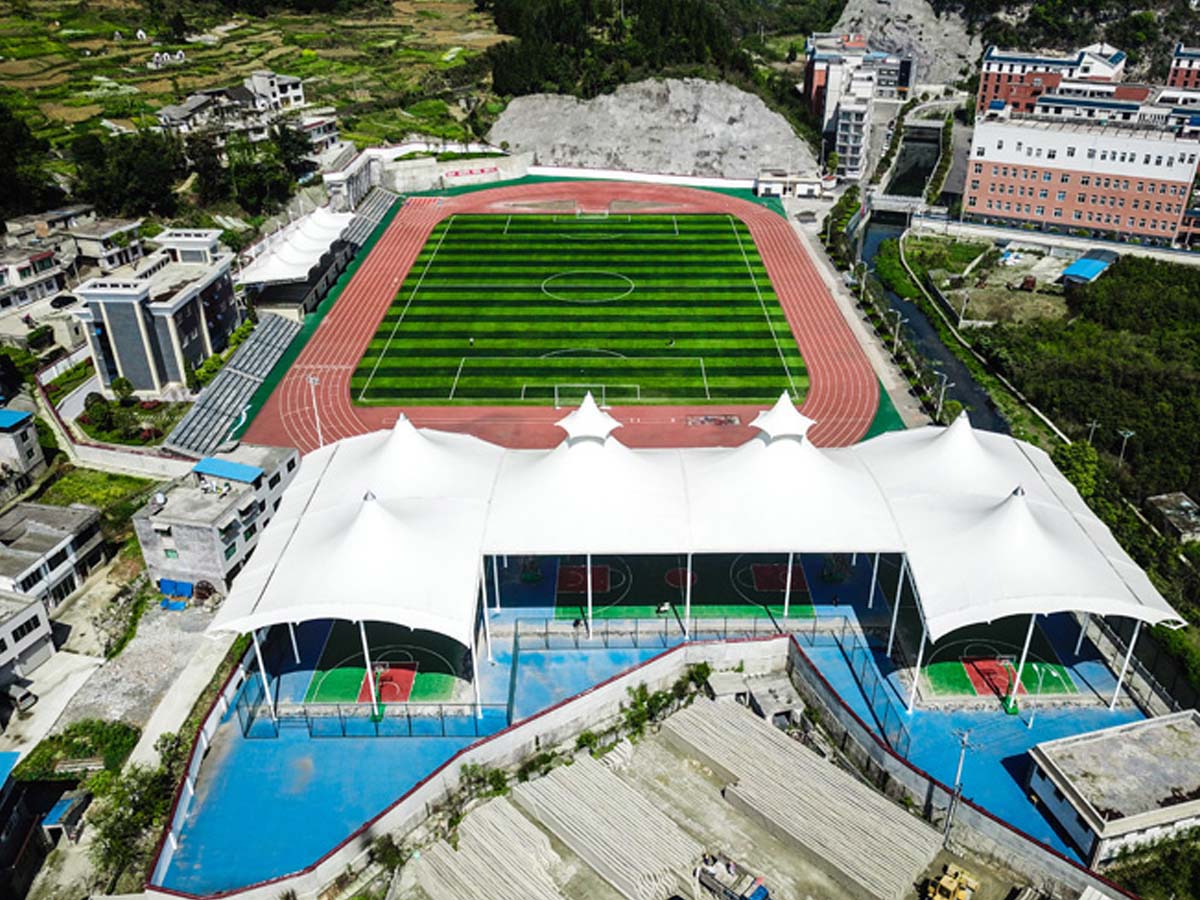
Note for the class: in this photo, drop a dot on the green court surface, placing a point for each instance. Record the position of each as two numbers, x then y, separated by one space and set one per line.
723 587
339 674
539 309
981 660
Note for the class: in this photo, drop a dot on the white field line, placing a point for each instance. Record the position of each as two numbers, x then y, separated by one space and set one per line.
763 304
416 287
462 362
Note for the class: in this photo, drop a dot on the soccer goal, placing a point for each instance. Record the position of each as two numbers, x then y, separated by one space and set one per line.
573 394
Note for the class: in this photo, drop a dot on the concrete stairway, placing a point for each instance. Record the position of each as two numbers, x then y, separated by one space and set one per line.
620 834
501 856
858 835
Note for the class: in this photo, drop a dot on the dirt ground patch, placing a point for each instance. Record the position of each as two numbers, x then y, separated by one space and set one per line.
995 301
70 114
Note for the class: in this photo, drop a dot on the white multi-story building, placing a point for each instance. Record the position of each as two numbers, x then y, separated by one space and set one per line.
249 109
153 320
28 275
25 639
107 244
47 551
19 447
204 527
275 92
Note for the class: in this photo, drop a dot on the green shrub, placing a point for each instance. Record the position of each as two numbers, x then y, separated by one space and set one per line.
86 739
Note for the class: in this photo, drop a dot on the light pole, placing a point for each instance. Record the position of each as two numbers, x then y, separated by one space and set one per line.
962 313
964 737
896 332
946 383
1092 426
313 381
1125 434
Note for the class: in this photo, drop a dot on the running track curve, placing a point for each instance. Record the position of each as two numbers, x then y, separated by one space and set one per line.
843 391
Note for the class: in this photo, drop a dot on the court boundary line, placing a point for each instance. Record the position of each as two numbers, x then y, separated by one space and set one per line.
763 303
404 312
603 354
377 656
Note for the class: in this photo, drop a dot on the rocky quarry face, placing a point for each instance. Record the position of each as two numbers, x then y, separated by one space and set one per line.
674 127
939 47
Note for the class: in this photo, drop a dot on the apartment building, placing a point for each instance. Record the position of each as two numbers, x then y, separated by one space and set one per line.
1116 180
107 244
19 448
204 527
250 108
1185 68
47 551
1018 79
28 275
151 320
844 81
25 641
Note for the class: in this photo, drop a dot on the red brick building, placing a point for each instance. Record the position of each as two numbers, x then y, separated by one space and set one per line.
1018 79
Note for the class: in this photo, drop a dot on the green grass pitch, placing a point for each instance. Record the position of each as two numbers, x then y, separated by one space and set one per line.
538 309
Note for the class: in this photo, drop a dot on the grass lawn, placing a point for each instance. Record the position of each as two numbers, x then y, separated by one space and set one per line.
69 380
538 309
135 425
93 487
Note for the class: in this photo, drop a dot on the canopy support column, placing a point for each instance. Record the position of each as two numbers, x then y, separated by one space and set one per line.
475 681
787 588
874 581
268 698
588 566
912 694
1012 697
896 603
1087 620
1137 627
496 580
853 560
295 647
487 628
687 599
362 633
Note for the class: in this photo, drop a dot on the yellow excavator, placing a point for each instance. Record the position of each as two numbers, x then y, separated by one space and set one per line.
954 883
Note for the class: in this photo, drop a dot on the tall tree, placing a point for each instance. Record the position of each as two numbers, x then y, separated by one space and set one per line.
213 183
26 183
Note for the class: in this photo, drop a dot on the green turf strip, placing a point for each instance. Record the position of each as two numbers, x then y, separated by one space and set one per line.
655 308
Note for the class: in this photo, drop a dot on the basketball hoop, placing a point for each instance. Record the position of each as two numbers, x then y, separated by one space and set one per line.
1009 701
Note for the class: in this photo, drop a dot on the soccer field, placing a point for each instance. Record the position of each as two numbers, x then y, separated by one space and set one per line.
539 309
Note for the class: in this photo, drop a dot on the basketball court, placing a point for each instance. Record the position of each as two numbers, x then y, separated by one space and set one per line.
416 667
982 660
626 587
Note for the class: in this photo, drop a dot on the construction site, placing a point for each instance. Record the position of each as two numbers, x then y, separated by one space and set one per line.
719 803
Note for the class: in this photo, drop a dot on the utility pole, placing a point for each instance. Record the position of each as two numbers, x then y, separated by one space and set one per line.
1092 426
1125 434
964 738
946 383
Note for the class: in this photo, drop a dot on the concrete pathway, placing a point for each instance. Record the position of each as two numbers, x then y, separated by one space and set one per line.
893 382
71 406
55 682
172 711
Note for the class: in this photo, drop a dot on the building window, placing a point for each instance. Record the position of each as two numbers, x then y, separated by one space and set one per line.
231 550
171 554
291 464
25 628
249 532
274 480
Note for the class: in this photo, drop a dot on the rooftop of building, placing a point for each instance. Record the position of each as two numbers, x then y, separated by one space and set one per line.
21 223
1146 130
1101 52
1183 52
104 228
15 256
13 604
1136 768
11 419
156 272
213 494
30 530
1180 510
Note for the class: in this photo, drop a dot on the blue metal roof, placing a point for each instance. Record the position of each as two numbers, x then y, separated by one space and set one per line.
1094 103
1085 269
11 418
223 468
8 762
996 104
57 811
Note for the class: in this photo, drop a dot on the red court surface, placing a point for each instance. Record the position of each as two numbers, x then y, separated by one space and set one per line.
675 577
573 579
773 577
393 683
990 677
843 392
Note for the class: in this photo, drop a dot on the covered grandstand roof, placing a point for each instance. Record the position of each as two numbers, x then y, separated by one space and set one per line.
391 526
290 253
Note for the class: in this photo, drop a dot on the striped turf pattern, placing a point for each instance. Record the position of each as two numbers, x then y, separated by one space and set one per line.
641 308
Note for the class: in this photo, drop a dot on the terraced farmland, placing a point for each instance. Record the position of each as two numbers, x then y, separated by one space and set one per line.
538 309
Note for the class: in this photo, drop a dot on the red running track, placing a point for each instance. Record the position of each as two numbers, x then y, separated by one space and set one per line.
843 391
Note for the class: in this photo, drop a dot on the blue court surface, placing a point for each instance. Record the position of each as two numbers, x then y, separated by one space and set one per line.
269 806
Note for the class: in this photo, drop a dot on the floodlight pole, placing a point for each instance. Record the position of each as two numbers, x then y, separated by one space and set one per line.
295 647
787 587
874 581
313 381
1137 627
912 694
1021 665
1125 434
268 699
362 633
487 628
1087 619
946 383
475 681
588 566
896 602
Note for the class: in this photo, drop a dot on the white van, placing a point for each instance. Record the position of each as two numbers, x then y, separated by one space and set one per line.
20 697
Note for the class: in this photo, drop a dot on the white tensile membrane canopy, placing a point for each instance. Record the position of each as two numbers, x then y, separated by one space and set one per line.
393 526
